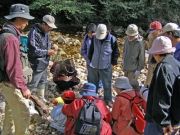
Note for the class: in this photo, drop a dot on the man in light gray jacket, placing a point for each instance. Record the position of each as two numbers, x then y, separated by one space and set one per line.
133 53
103 55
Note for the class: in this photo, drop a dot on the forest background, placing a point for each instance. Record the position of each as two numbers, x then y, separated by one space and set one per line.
111 12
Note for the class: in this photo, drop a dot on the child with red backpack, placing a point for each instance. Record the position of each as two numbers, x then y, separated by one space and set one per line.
126 112
75 108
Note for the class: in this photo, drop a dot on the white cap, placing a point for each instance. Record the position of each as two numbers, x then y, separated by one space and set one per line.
49 20
170 27
101 31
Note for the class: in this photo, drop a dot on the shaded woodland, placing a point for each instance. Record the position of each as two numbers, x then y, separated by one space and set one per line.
111 12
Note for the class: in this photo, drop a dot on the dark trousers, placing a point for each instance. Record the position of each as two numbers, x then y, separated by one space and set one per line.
105 75
65 85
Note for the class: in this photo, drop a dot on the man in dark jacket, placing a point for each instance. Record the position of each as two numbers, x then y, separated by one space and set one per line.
160 108
103 55
39 53
14 89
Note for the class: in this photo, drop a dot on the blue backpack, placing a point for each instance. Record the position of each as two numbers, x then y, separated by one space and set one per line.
23 42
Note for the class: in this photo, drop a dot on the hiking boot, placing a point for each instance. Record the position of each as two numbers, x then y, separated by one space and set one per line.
40 93
47 102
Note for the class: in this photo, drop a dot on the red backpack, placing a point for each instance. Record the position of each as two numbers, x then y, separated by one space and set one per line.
138 108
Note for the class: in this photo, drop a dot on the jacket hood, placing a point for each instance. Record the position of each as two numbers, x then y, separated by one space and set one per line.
38 28
139 38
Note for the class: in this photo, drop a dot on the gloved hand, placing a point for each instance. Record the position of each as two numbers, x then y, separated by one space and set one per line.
137 74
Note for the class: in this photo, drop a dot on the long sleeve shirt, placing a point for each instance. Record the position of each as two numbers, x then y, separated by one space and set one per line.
11 56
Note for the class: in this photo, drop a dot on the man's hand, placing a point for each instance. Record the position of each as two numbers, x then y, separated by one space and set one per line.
26 94
51 52
54 47
167 130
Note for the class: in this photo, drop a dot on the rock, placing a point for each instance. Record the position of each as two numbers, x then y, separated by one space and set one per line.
61 40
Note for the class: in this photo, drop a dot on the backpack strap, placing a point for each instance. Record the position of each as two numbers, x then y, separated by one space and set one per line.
8 30
127 96
2 67
144 91
88 103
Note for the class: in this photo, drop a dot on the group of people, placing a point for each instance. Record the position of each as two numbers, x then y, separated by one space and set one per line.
25 72
115 122
101 52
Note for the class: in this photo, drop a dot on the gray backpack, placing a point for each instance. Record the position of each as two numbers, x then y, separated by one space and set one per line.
89 120
27 70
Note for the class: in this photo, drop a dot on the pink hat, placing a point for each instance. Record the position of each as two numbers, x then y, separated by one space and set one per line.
161 45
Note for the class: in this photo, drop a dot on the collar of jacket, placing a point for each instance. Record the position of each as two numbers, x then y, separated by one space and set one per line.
39 29
13 28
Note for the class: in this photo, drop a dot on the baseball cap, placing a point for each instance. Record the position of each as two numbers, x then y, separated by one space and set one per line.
49 20
19 10
101 31
155 25
68 95
170 27
132 30
161 45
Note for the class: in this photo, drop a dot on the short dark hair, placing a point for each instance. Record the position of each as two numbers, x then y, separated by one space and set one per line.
175 33
67 101
12 20
41 22
165 54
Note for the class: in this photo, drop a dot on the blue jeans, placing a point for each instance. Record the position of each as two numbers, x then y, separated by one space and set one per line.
39 80
152 129
105 75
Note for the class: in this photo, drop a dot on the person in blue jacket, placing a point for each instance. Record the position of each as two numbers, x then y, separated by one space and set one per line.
172 31
103 55
91 31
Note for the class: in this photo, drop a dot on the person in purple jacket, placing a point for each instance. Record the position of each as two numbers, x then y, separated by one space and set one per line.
14 88
91 31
